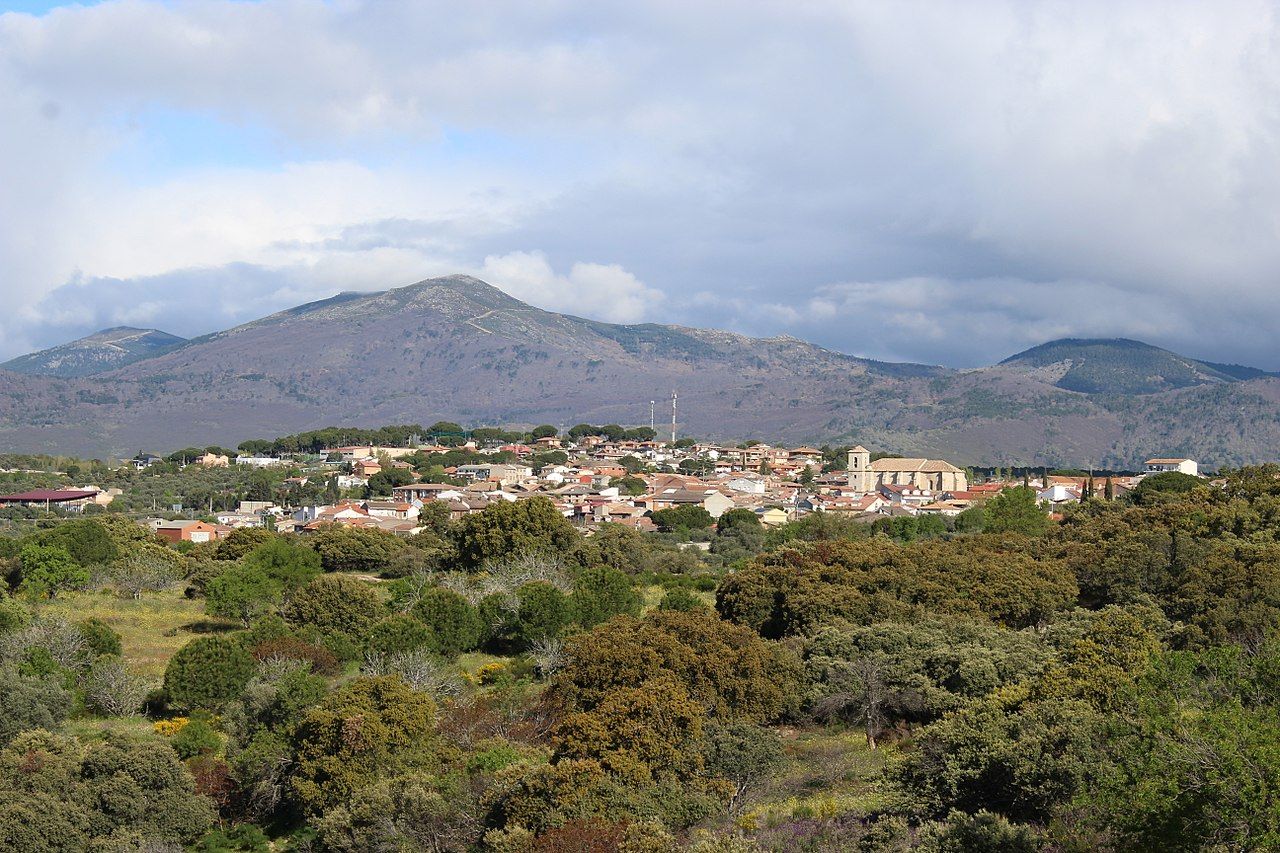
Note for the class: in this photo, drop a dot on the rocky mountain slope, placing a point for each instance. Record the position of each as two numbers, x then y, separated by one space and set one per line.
97 353
457 348
1121 366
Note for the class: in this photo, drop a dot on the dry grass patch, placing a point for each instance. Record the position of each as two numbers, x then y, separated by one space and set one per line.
151 628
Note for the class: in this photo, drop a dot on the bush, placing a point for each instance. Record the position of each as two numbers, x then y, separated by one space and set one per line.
322 661
30 703
197 737
289 564
543 613
335 603
208 672
111 689
600 593
682 600
454 624
398 633
100 637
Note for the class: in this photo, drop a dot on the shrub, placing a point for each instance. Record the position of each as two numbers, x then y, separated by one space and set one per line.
197 737
111 689
100 638
207 672
543 613
398 633
335 602
600 593
30 703
322 661
453 622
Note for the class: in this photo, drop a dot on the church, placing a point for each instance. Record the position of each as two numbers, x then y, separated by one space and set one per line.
866 476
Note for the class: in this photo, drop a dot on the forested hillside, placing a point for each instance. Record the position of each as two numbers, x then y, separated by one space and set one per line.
505 683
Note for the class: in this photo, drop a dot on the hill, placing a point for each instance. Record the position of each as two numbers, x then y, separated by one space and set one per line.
102 351
1121 366
459 349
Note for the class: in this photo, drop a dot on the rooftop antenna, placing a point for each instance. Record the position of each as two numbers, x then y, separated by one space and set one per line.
673 417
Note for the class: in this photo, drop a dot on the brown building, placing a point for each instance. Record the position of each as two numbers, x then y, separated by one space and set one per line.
187 531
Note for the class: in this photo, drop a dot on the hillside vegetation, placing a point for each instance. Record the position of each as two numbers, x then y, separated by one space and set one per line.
505 683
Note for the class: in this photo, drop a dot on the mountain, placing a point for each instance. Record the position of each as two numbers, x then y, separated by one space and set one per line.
1121 366
97 353
456 348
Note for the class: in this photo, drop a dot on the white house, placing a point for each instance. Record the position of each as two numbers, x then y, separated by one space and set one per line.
1182 466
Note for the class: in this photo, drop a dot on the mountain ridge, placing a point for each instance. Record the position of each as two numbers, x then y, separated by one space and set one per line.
457 348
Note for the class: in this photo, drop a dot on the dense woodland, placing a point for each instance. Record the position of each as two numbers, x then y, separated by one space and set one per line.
1107 681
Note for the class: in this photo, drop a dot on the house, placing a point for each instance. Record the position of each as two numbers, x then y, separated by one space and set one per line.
936 475
145 460
187 531
772 516
391 509
258 461
366 467
910 496
1163 466
714 502
214 460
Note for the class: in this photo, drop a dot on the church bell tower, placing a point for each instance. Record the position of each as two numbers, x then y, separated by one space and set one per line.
861 479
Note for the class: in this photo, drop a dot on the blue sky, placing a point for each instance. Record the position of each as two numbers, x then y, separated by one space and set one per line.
906 181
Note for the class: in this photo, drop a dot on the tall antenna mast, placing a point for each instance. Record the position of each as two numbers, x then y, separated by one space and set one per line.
673 417
651 429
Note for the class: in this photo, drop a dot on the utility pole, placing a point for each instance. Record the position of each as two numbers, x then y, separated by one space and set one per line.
673 417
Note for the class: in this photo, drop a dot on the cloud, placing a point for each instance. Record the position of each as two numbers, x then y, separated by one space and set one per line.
602 291
906 180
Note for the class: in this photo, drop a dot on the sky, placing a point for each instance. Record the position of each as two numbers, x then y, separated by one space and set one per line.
937 182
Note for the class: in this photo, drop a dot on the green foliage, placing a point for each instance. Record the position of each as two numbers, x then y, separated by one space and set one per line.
726 669
800 589
543 613
506 529
86 540
373 726
335 603
399 633
600 593
240 542
453 623
100 637
355 549
289 564
207 672
1155 487
737 517
682 600
50 569
242 592
684 517
197 737
1016 510
650 731
908 528
28 702
119 793
887 673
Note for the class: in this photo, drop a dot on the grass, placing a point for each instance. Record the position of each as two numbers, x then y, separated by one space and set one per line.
95 728
825 775
151 628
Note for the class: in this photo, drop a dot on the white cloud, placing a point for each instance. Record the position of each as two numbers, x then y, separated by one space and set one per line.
601 291
1026 167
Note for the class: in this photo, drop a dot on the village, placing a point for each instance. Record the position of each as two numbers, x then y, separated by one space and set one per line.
593 479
